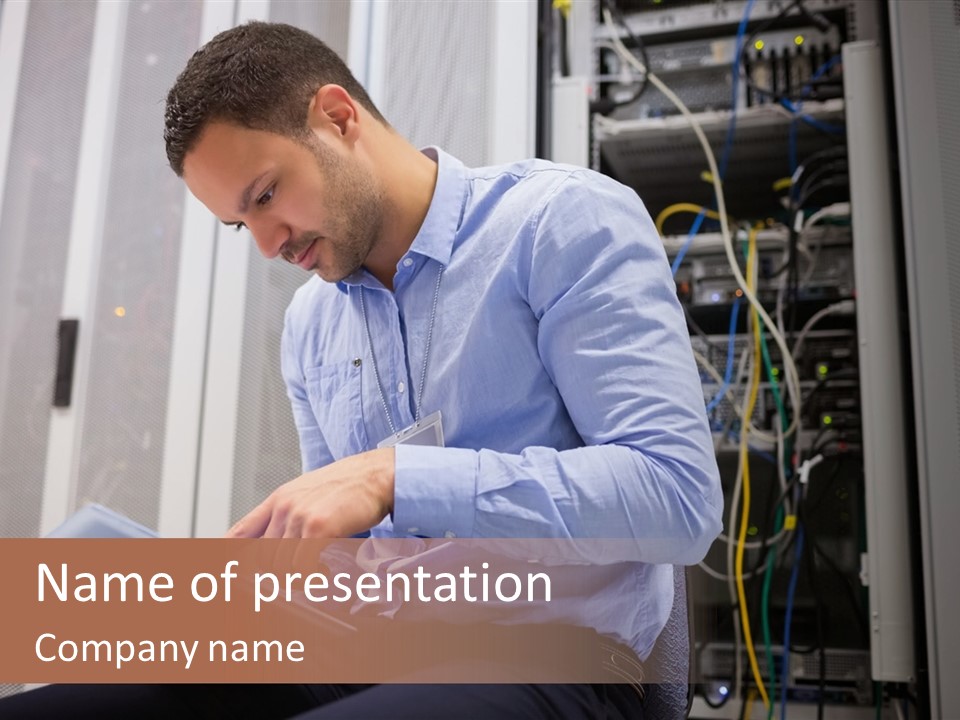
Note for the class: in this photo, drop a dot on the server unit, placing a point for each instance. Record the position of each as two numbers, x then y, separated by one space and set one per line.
776 87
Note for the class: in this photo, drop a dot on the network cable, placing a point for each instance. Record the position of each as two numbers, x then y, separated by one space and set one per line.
792 378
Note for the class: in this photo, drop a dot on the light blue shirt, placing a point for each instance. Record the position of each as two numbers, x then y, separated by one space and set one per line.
571 403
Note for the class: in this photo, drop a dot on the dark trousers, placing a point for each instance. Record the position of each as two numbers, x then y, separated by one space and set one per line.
326 702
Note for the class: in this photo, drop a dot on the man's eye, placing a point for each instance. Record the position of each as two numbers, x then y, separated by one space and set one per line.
238 226
266 197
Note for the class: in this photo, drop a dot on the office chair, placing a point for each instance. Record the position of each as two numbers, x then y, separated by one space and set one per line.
673 656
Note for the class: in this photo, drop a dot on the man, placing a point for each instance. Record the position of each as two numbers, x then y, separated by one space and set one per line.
530 304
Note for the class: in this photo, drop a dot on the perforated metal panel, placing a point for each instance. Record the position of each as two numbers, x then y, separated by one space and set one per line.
437 84
943 407
267 451
925 42
946 49
34 230
121 449
329 20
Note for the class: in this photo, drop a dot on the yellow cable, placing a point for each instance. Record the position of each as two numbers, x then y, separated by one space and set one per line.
782 184
563 6
682 207
745 464
748 706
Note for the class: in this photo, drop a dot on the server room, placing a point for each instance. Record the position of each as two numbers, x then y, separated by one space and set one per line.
673 285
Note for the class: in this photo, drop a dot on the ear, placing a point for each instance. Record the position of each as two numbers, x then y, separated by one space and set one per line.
332 109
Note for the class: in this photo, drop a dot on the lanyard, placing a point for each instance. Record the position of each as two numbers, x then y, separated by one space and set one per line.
426 355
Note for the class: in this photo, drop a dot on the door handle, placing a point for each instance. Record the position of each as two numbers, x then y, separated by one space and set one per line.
66 355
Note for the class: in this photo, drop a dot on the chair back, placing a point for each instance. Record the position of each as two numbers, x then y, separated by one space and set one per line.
673 658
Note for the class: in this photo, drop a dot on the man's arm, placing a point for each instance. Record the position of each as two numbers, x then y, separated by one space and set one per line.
613 339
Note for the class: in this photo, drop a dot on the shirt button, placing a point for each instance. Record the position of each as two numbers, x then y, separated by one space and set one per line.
449 534
400 387
407 262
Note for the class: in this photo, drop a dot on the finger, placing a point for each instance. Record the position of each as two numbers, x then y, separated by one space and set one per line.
254 523
275 528
294 527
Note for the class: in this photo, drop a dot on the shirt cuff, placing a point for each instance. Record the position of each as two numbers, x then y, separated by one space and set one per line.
435 491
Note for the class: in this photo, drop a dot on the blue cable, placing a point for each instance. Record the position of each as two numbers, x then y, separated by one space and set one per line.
792 148
734 88
752 449
728 372
788 617
731 131
820 72
795 108
694 229
825 127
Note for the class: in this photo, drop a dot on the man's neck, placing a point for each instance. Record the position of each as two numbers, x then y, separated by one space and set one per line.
408 178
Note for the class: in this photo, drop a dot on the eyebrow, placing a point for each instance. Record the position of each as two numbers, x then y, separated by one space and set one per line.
247 193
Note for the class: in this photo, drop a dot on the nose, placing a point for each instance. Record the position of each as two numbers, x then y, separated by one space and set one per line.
269 237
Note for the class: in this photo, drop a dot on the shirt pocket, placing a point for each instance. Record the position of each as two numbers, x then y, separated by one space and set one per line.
334 392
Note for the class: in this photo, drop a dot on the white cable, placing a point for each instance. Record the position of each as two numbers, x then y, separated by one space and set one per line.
844 307
732 526
781 469
808 465
716 574
754 544
712 371
792 377
837 210
898 709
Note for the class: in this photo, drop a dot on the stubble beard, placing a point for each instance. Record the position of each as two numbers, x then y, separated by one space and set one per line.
357 219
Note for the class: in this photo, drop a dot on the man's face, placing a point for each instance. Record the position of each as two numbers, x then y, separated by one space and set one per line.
305 201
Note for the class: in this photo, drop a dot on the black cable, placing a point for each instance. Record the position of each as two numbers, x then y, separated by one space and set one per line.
606 105
811 562
838 167
836 375
851 592
813 506
811 185
835 181
826 153
809 509
793 280
805 173
706 698
564 46
815 18
699 331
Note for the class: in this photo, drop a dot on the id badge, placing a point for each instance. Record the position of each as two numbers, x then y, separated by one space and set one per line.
426 431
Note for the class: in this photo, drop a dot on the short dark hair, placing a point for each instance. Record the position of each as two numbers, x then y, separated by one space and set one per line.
260 76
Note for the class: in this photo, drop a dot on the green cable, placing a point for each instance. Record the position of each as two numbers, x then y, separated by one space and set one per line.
765 617
778 524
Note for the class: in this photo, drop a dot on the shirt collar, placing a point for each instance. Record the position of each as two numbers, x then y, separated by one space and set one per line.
439 229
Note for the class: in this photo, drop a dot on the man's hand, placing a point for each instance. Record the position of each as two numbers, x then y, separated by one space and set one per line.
339 500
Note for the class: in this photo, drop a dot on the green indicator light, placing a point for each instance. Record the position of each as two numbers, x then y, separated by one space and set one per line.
758 44
776 372
822 369
798 40
826 420
752 530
